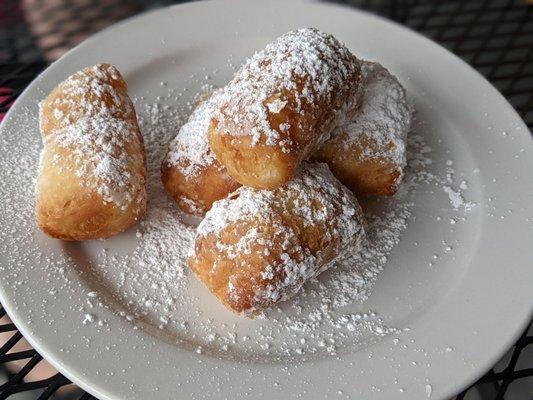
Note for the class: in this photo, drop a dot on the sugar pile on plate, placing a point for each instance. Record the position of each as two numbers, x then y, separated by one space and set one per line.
158 291
150 286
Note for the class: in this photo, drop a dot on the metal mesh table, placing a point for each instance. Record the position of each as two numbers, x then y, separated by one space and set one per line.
494 36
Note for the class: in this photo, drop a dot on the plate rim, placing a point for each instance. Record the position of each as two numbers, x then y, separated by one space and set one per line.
41 348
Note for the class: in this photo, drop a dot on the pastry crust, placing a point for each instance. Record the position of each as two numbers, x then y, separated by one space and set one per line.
258 247
92 174
368 153
93 91
281 105
190 171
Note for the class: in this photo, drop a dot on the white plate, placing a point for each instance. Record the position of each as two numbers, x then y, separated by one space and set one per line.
462 309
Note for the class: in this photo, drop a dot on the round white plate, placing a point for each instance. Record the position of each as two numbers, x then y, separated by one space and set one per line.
457 288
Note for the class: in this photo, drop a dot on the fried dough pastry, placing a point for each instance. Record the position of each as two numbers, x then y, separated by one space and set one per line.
190 171
258 247
281 105
368 153
93 91
92 174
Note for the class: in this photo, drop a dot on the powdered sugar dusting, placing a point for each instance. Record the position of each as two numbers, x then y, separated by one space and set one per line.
149 285
90 92
157 281
312 66
96 147
313 200
384 116
456 198
189 150
88 124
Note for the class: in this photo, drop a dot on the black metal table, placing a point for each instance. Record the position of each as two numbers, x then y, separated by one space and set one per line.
495 37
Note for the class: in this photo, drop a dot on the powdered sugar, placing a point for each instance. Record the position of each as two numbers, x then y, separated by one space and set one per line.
189 150
154 285
270 224
88 124
313 67
151 287
384 116
89 92
456 197
312 184
142 275
95 147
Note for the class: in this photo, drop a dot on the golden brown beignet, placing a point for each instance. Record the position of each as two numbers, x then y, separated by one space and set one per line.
92 174
97 90
190 171
258 246
368 153
281 105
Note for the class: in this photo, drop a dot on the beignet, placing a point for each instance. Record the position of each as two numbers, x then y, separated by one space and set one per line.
258 246
92 174
190 171
281 105
96 90
368 153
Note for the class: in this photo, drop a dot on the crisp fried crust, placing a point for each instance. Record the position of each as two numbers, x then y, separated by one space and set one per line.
366 176
258 247
190 171
367 153
196 196
281 105
92 177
